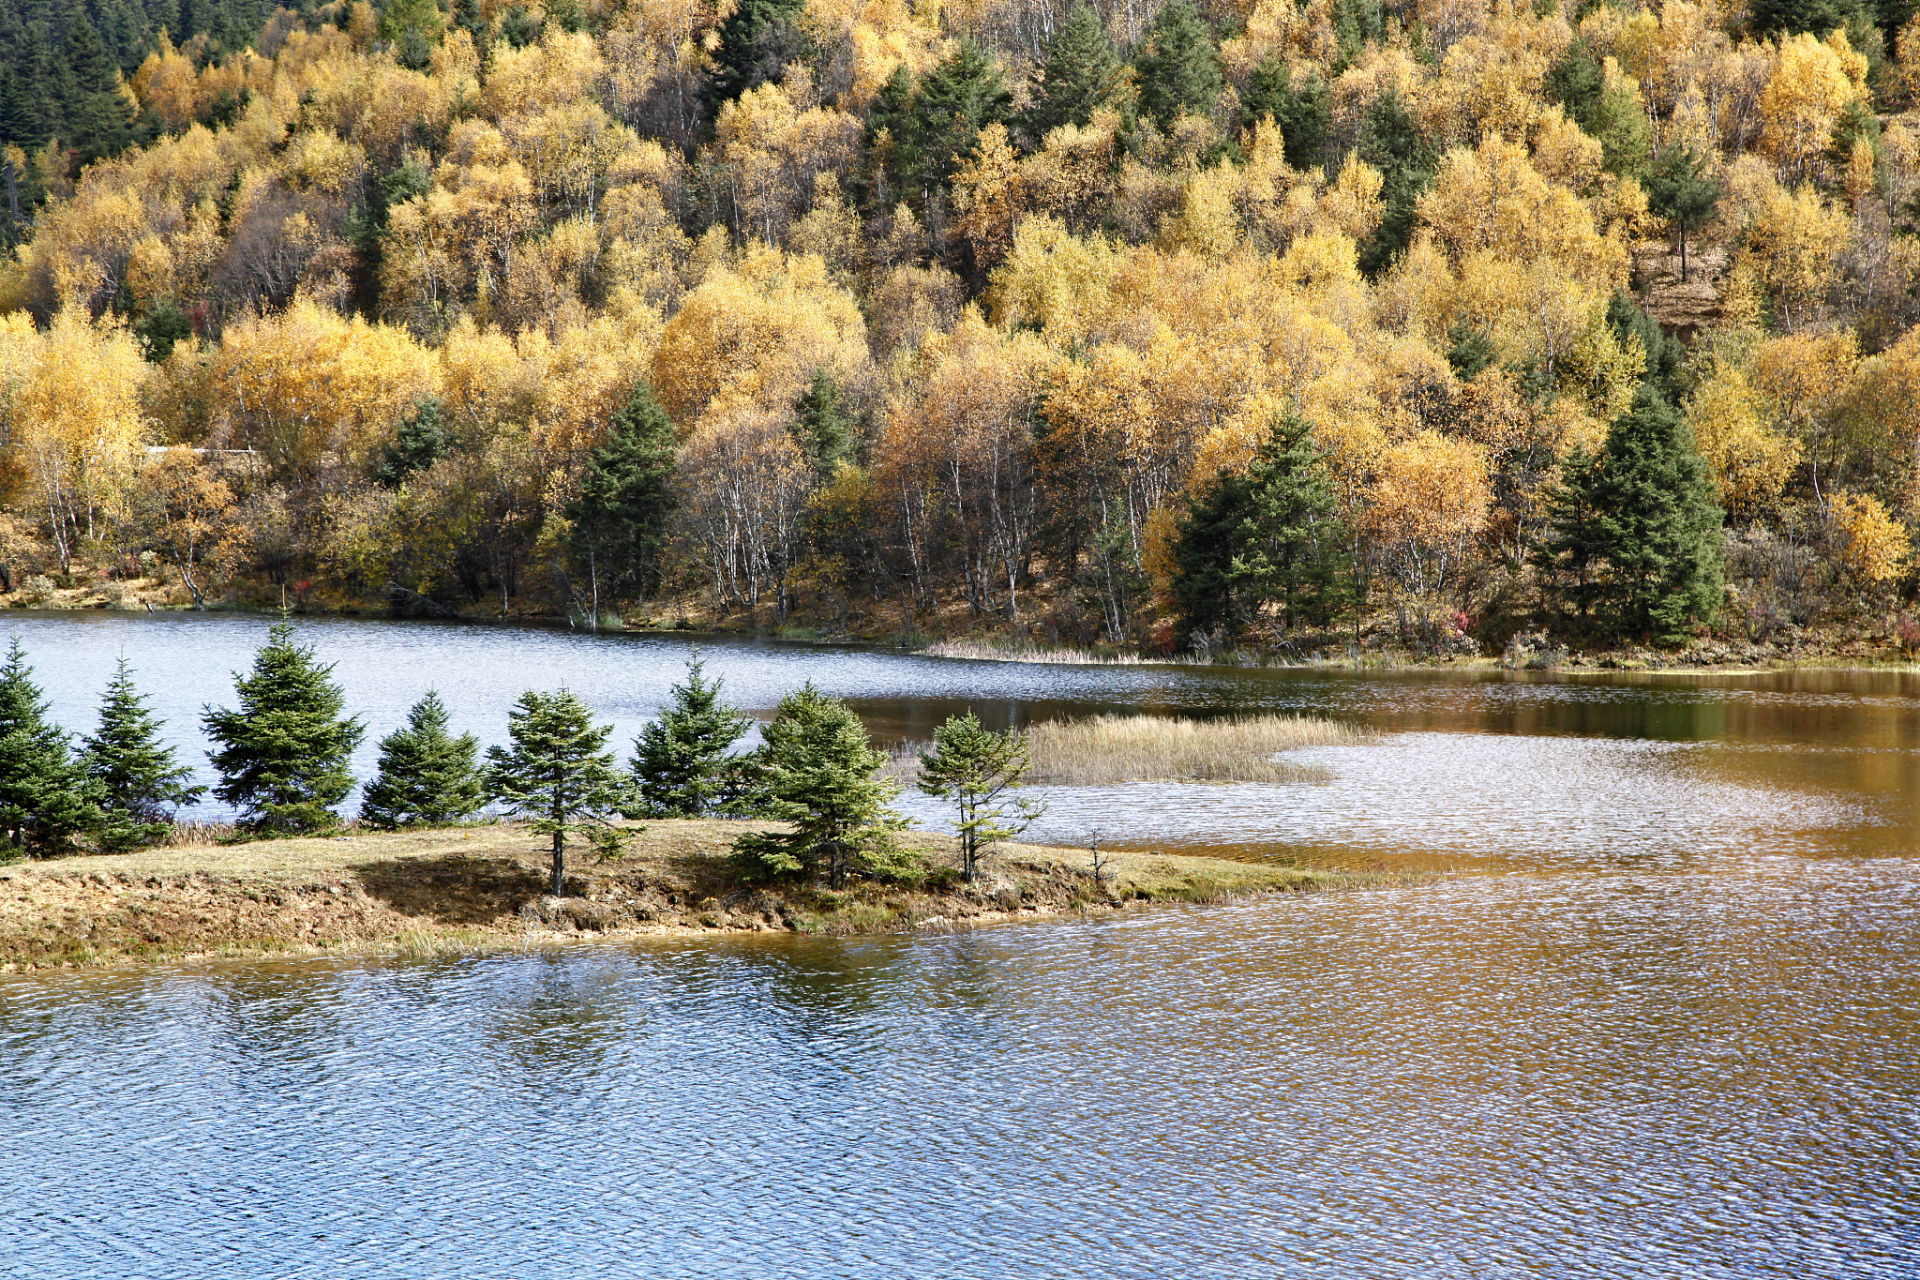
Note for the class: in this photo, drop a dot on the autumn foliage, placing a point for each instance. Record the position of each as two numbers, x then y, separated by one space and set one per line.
357 318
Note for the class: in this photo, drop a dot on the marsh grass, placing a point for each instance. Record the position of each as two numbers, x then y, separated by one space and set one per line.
1013 652
1110 749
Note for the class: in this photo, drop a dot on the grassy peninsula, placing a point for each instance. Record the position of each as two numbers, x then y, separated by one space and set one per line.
483 887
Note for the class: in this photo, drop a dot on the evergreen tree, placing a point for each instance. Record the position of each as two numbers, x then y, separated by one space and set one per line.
99 118
1391 141
818 770
283 753
1638 528
140 779
626 497
756 43
558 774
427 777
1079 73
1269 536
682 760
1302 112
958 98
46 799
823 425
1680 190
893 157
417 445
1666 369
1178 65
1576 81
974 767
413 28
1790 17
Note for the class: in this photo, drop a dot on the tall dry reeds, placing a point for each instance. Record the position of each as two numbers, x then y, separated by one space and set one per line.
1109 749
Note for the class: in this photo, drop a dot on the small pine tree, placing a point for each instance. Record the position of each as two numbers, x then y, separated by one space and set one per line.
1638 528
46 799
756 43
1178 65
626 498
1680 189
818 771
427 776
140 779
1079 73
417 445
284 752
823 425
681 761
1270 535
974 767
558 774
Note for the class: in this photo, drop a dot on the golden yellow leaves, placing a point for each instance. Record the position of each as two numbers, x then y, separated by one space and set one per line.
1493 199
1873 546
1749 460
752 335
1813 84
1429 502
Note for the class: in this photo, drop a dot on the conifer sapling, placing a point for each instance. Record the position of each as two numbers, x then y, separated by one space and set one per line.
558 775
140 779
427 776
974 767
46 799
681 760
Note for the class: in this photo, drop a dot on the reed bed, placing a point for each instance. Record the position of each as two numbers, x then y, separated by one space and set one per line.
1109 749
990 652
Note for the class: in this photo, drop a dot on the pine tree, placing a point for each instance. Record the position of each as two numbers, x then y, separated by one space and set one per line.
958 98
1391 141
1301 111
1079 73
1680 190
558 774
1269 536
140 779
974 767
1178 65
283 753
427 777
1666 368
1639 529
46 799
823 425
756 43
99 116
681 761
626 498
417 445
818 769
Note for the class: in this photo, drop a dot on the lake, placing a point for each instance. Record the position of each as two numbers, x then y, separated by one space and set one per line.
1664 1022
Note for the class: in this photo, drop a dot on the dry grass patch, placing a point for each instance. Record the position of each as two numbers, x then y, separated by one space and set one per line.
1109 749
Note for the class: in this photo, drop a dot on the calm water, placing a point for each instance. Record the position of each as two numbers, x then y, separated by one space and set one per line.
1667 1028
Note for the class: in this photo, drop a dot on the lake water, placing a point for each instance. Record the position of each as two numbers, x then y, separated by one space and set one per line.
1665 1023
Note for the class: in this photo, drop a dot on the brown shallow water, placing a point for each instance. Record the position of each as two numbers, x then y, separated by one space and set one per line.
1663 1025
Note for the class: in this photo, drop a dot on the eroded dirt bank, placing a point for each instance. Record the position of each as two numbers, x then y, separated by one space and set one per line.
486 886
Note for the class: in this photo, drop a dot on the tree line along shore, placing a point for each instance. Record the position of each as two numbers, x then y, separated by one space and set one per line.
813 840
1429 327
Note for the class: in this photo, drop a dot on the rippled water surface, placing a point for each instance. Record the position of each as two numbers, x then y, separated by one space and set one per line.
1664 1026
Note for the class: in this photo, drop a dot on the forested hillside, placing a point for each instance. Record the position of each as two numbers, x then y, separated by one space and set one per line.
1424 323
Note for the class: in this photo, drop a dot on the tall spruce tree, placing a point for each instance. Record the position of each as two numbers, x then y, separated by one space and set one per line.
756 43
1270 535
1301 111
1391 141
626 498
974 767
819 771
141 781
682 760
99 116
47 801
1178 65
1637 528
418 443
956 100
1079 73
823 424
284 751
427 776
558 774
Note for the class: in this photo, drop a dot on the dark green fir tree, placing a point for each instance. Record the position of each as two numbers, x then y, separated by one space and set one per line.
427 777
1178 65
417 445
1681 188
1634 534
100 116
1301 111
1391 141
47 802
1268 536
755 45
683 761
819 771
824 425
284 751
973 768
558 775
626 498
1079 73
958 98
141 781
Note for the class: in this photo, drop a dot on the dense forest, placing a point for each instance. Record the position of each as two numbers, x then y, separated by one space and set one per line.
1428 325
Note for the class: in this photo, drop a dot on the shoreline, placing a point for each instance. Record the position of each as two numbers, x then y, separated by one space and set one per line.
482 888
